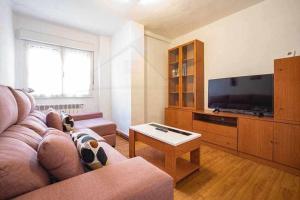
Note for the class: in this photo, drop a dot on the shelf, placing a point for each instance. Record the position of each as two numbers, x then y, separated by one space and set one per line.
188 75
188 107
188 60
174 77
173 92
188 92
174 63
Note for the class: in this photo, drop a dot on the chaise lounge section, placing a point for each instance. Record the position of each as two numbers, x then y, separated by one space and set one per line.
94 121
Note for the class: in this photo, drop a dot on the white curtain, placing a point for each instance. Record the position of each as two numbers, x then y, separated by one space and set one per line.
44 69
55 71
77 72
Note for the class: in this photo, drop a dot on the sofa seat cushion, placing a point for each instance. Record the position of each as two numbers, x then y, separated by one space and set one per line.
20 171
99 125
23 134
113 155
91 133
58 154
34 124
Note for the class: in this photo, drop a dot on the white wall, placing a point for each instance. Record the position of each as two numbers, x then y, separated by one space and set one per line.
7 54
104 74
100 44
156 78
247 42
137 74
127 76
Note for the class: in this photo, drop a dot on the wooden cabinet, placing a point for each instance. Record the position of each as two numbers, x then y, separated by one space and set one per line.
287 144
171 117
256 138
179 118
185 120
286 89
186 76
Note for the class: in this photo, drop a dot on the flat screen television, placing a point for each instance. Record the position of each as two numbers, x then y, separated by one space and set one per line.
245 94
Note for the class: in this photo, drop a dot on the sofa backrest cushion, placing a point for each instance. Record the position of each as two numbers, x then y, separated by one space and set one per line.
23 134
8 108
34 124
20 171
58 154
32 101
40 115
24 104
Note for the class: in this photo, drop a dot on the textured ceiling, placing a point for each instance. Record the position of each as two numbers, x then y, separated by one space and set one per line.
169 18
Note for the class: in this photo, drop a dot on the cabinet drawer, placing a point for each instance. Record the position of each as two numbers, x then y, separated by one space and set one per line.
199 125
225 131
220 140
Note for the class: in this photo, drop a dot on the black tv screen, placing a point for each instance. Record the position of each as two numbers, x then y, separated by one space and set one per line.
245 93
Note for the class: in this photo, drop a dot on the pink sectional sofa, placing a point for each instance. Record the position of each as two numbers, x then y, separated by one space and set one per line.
22 176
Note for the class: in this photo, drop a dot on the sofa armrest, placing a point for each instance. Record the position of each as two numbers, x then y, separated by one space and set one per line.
132 179
87 116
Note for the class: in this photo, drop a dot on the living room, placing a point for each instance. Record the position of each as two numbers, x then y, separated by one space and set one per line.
141 84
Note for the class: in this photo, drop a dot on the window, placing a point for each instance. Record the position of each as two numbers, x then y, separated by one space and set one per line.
54 71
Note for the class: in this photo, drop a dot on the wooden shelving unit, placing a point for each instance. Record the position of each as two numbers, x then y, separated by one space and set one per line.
186 76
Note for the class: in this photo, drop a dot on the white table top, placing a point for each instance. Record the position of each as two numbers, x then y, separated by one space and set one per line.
169 137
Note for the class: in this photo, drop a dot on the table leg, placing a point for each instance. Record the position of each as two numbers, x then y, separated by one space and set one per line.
131 144
170 164
195 156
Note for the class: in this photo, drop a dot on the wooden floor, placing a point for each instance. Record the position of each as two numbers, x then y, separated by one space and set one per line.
226 176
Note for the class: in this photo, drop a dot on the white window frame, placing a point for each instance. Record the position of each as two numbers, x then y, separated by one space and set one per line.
61 49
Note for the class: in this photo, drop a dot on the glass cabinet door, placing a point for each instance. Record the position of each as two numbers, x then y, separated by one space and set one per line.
188 75
174 77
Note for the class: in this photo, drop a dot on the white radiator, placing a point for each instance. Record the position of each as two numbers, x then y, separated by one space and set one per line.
68 108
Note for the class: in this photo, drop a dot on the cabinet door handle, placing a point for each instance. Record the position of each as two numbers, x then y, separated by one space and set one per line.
272 142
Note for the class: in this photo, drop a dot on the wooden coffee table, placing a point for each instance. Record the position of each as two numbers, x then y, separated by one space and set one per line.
172 144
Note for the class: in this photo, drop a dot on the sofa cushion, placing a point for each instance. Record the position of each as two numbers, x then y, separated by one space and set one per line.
91 152
23 134
32 101
99 125
58 154
53 120
20 171
24 104
8 108
67 121
34 124
38 114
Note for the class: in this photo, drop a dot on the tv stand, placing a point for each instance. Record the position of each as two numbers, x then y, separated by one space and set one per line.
216 110
217 128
